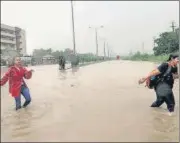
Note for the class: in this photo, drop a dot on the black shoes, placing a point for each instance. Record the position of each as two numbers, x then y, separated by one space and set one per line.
17 108
26 103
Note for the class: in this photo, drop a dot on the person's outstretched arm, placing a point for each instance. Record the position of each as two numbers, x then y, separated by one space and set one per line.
155 72
27 73
5 78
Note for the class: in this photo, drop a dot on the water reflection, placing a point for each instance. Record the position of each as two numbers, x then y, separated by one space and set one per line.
19 123
75 69
164 127
62 74
163 122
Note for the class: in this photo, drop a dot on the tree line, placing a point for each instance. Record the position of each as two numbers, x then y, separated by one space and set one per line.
67 53
166 43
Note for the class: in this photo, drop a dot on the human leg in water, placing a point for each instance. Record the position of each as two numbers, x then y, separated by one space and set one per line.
169 99
63 66
26 94
18 102
159 101
159 98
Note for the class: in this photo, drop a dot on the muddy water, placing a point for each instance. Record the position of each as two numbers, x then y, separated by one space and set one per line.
100 102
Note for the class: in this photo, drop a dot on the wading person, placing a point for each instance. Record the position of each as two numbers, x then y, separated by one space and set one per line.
17 86
162 80
62 62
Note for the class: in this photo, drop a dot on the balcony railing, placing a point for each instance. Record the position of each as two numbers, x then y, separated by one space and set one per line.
7 34
8 41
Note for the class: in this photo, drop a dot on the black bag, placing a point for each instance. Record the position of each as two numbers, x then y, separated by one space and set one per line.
154 80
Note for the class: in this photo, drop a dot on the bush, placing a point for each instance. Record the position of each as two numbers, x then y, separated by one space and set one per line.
146 57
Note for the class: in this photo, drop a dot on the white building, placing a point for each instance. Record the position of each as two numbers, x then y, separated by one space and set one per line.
13 39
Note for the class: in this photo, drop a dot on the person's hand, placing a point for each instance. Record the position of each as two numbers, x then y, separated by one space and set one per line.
142 80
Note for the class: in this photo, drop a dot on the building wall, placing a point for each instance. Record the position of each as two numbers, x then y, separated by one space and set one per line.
13 38
20 40
8 46
23 44
8 37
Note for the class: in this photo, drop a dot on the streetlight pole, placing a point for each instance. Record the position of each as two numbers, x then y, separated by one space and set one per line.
96 28
74 42
96 42
104 50
108 50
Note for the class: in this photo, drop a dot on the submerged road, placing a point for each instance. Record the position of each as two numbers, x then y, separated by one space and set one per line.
99 102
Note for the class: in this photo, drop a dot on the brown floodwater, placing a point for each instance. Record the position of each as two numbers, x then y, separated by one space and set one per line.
99 102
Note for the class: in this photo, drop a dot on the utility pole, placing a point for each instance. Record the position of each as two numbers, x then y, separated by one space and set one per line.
111 53
104 49
108 49
96 42
176 31
96 38
173 26
74 43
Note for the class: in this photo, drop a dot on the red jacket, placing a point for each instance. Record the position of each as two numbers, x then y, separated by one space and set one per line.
15 77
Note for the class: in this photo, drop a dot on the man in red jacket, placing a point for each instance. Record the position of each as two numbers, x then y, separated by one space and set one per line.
17 85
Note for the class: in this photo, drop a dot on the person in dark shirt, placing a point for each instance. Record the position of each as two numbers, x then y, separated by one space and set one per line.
62 62
167 72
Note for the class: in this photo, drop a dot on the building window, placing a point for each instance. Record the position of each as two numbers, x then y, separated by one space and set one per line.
7 31
7 38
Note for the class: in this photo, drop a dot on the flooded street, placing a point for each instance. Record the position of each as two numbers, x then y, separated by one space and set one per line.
99 102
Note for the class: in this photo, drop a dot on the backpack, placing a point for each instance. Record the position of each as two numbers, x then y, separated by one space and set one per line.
154 80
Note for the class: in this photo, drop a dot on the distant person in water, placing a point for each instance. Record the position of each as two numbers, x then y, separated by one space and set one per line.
17 86
62 62
165 75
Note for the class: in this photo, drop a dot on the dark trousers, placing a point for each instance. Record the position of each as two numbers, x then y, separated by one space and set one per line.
62 65
26 94
164 95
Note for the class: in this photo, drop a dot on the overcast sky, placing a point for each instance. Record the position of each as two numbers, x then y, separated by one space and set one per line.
126 24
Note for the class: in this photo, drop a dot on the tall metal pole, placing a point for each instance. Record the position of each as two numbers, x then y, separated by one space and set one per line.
173 26
108 50
96 42
104 49
74 42
96 38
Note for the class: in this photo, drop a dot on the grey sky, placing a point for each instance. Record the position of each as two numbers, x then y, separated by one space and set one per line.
126 24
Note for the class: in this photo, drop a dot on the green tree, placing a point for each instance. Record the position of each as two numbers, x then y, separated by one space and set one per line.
39 53
67 53
49 51
9 52
57 53
166 43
